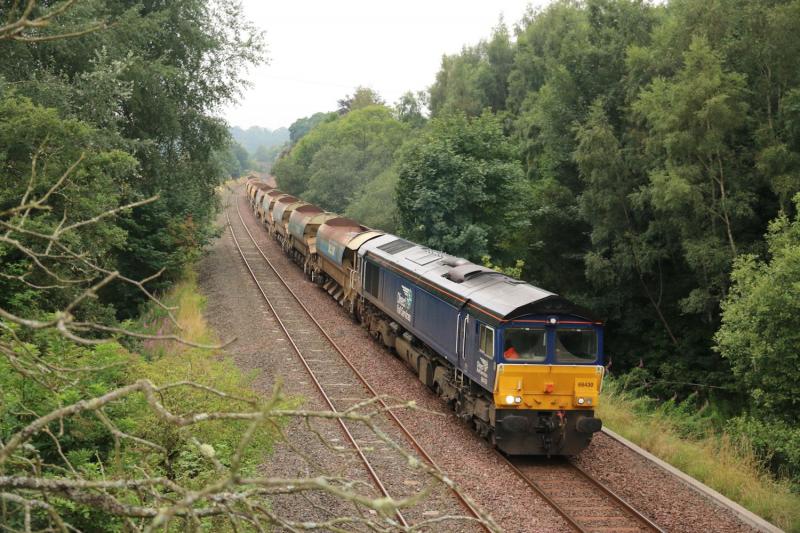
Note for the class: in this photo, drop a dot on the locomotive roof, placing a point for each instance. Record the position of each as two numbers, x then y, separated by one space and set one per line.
496 295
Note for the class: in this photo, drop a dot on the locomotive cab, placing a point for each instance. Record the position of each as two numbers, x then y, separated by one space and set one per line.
547 384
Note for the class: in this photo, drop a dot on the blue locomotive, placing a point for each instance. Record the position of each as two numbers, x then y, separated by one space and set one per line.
524 366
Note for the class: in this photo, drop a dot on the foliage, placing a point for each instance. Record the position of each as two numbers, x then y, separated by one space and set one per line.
166 362
150 82
85 440
475 79
93 177
760 329
234 160
376 203
255 137
410 108
776 443
301 126
458 186
335 161
362 97
266 156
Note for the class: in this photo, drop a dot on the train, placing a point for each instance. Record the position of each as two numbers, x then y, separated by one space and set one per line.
523 366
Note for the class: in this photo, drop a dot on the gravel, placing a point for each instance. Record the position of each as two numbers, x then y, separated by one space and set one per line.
236 309
665 499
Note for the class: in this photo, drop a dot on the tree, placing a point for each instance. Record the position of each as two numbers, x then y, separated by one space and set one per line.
375 205
410 108
700 181
458 186
628 256
267 155
302 126
760 329
335 160
150 81
254 137
68 167
361 97
475 79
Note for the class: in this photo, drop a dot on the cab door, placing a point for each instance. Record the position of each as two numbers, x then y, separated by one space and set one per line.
479 351
464 321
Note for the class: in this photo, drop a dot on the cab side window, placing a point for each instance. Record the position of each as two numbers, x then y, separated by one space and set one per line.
372 278
486 340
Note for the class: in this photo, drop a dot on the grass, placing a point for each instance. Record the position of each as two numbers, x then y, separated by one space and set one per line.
732 470
168 362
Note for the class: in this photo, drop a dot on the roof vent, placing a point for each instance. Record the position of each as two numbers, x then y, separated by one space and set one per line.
454 261
396 246
463 272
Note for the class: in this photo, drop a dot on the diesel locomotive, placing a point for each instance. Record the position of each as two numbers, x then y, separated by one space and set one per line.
520 364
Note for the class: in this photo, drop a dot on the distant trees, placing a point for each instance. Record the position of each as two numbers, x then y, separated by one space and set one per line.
361 97
301 126
335 161
255 137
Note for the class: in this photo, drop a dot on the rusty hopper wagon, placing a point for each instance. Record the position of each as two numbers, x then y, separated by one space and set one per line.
267 203
303 226
281 211
338 240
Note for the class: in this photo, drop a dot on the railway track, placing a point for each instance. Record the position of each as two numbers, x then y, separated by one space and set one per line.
339 383
583 502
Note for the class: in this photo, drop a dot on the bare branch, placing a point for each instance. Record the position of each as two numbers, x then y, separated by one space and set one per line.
18 28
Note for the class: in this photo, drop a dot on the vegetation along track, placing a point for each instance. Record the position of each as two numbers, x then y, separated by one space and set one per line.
584 502
340 384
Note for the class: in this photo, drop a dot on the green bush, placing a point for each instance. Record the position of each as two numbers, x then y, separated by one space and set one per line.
774 442
88 444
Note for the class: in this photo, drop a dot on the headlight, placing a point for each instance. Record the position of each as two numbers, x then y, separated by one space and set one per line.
581 401
518 399
510 399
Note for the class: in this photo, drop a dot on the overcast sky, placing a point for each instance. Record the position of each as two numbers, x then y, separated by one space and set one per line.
321 50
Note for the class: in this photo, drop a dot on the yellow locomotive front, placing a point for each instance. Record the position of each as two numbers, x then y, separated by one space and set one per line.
547 385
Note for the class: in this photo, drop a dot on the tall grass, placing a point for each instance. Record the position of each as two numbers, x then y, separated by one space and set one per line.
171 361
727 465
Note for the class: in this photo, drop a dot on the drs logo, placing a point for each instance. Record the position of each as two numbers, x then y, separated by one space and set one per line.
405 302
